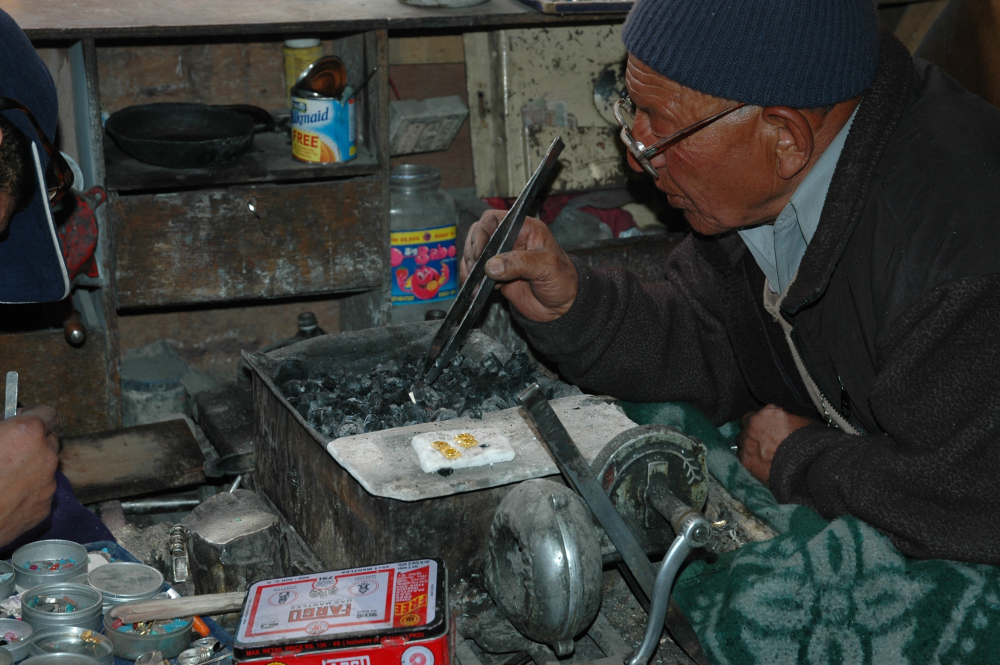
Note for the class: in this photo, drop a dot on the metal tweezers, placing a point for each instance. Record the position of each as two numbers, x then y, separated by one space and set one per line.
477 288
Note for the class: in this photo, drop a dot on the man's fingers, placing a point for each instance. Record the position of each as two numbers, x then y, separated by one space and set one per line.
745 419
520 264
482 231
48 416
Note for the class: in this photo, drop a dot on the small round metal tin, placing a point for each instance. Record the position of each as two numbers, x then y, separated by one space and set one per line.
88 605
23 630
61 659
123 582
48 550
132 645
7 583
70 639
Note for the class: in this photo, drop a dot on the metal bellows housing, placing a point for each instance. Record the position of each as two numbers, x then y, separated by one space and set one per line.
543 564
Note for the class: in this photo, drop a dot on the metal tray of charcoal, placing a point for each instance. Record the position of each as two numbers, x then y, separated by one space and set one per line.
358 496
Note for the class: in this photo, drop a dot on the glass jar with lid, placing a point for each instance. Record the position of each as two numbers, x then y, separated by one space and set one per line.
423 254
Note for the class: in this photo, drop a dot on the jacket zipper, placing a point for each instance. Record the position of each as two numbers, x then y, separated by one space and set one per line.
812 375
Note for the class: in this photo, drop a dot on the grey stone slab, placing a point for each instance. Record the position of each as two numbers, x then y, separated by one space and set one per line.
386 465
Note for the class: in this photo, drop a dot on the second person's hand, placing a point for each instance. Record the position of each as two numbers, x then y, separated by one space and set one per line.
536 276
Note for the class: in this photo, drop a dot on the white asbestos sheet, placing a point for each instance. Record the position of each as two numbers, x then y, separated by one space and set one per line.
461 449
384 463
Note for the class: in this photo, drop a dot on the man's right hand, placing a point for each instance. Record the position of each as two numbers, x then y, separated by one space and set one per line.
537 276
28 462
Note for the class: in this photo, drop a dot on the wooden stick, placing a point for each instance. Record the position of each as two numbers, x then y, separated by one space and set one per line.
156 610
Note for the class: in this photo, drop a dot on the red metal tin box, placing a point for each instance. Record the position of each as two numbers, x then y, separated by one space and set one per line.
390 614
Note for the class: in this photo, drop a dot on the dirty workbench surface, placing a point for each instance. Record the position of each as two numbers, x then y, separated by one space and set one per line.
53 19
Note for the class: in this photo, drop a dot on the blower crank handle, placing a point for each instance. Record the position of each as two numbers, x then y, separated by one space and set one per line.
693 531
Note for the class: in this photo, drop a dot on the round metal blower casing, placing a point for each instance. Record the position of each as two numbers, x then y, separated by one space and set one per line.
543 563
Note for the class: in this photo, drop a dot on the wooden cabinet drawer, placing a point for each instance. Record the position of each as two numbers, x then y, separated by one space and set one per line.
207 245
74 381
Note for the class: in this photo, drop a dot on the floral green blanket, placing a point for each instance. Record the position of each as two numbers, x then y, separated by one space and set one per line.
825 592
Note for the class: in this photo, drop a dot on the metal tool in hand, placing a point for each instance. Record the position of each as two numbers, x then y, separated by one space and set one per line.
477 288
10 402
578 474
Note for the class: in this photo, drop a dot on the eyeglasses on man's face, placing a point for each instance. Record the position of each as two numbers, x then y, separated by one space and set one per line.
624 110
58 175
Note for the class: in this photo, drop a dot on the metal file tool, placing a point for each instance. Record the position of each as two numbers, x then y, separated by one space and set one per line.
477 288
10 402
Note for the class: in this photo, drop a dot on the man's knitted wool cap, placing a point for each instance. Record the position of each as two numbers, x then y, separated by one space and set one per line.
798 53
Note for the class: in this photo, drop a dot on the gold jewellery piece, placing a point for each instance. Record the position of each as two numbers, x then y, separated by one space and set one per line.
449 452
466 440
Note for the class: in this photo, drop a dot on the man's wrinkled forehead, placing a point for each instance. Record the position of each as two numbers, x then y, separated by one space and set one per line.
653 92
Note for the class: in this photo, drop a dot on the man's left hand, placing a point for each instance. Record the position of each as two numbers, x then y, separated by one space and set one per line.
761 432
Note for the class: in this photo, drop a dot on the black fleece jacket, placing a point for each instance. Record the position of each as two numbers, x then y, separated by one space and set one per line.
895 313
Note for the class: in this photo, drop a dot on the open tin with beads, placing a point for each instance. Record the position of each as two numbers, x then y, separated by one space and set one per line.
70 639
63 604
48 561
132 640
17 635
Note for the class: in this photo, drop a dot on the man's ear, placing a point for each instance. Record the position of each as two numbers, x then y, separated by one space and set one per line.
793 141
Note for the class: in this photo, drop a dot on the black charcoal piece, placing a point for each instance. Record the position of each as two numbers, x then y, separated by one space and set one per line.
414 412
446 471
354 406
491 363
377 405
290 369
293 387
364 385
444 414
425 395
518 364
350 427
390 367
352 384
493 403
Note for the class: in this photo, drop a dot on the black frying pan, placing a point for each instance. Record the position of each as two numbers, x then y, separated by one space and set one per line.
186 136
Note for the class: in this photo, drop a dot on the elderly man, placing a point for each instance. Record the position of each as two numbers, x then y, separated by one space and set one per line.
37 501
840 291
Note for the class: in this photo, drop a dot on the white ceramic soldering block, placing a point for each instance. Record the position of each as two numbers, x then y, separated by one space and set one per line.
492 447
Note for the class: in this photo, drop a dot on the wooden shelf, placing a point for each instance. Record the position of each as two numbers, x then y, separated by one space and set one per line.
269 159
49 19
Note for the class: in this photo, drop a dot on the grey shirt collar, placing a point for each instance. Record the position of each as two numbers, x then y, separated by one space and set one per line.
778 248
